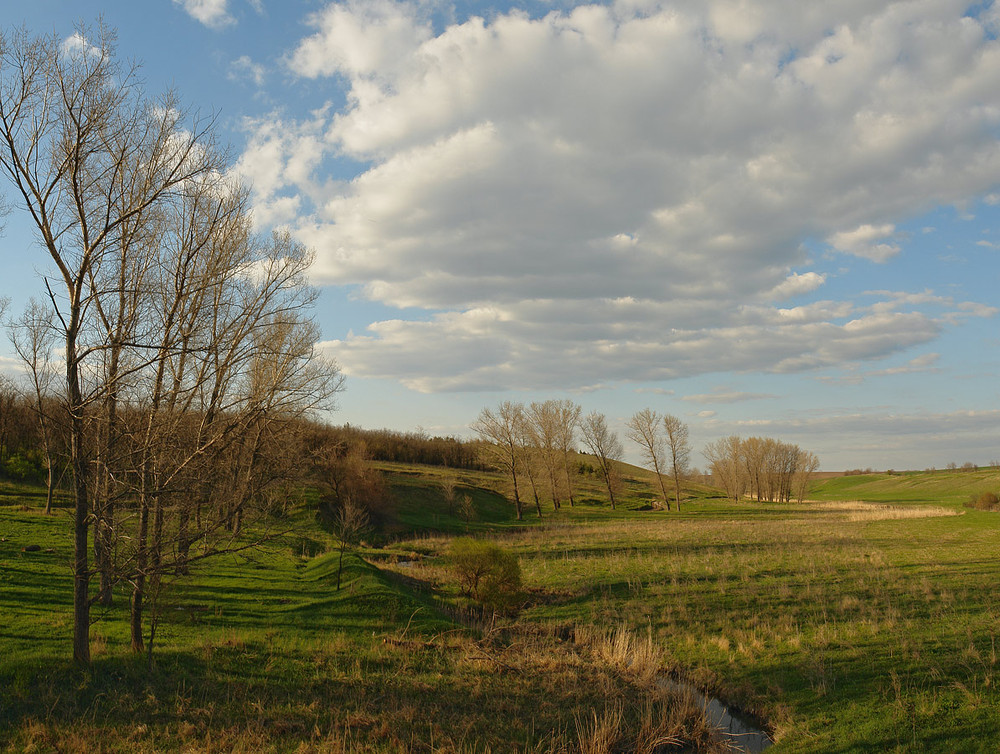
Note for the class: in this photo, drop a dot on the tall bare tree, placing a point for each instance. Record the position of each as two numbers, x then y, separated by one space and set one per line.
545 424
500 430
88 156
605 444
568 420
644 429
679 447
724 457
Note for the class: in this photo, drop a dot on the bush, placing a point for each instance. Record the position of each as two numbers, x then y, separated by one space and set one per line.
985 501
487 572
23 468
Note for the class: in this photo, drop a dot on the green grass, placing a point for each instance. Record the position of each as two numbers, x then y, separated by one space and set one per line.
260 652
846 627
950 487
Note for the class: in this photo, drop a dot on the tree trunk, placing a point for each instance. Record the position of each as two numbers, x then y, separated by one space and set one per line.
49 485
81 513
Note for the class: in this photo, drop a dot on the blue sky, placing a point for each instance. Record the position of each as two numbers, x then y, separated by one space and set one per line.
768 218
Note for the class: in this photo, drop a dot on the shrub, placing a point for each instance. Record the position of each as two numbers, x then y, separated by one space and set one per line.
487 572
985 501
22 467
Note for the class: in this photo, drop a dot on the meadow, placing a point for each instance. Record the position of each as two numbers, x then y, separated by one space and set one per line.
865 620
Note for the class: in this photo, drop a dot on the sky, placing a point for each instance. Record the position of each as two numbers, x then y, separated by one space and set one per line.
765 217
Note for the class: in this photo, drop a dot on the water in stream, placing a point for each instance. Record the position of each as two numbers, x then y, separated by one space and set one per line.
741 734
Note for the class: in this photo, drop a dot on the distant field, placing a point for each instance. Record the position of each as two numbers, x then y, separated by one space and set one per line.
844 627
946 487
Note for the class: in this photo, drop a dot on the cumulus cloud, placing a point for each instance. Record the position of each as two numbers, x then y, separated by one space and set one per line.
211 13
623 192
360 38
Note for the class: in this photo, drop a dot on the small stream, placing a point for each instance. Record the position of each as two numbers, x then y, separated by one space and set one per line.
740 733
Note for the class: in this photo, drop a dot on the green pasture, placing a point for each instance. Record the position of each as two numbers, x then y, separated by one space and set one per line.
843 626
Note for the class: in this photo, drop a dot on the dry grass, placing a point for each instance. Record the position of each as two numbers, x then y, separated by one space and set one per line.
858 510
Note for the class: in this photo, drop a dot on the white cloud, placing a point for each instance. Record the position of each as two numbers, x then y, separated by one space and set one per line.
244 69
861 242
77 44
211 13
796 285
616 192
360 38
725 395
495 348
924 363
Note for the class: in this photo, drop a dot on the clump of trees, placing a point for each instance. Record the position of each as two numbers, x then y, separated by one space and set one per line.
411 447
187 351
531 447
760 467
665 447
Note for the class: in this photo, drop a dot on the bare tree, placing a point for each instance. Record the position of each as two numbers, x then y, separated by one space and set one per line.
604 444
754 453
679 447
33 337
807 465
467 509
235 370
88 156
448 484
500 430
568 419
545 423
349 524
644 430
724 459
528 455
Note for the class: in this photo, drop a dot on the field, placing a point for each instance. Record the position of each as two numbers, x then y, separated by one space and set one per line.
864 621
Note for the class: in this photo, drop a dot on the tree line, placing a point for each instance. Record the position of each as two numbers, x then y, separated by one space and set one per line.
412 447
761 468
532 446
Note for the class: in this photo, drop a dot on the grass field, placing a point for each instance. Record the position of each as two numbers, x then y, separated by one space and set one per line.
843 625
